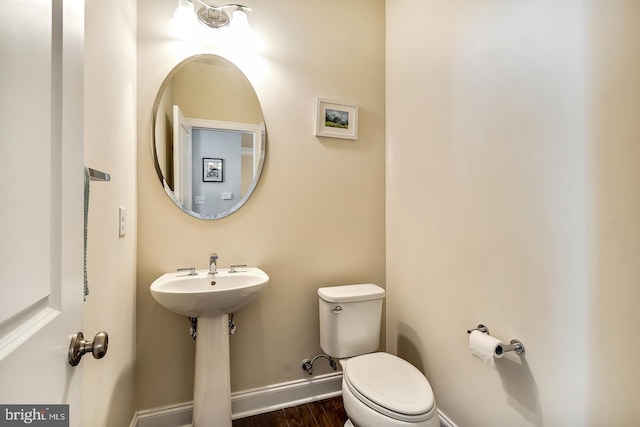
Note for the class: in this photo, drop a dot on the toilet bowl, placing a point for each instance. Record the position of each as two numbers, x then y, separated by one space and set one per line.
378 389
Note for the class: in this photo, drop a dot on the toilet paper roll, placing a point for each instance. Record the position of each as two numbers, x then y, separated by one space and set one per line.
483 346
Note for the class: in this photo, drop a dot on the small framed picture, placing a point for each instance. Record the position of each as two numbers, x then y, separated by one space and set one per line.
335 119
212 170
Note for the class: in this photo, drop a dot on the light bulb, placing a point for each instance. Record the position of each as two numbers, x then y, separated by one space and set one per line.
239 25
184 18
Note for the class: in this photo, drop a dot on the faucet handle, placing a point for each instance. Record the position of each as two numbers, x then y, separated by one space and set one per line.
191 270
232 268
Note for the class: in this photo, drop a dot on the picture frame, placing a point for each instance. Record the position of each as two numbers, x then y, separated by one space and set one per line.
212 170
336 119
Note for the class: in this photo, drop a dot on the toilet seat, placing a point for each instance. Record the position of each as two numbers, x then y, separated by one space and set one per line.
390 386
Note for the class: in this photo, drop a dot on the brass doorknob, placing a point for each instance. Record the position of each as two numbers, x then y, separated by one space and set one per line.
79 347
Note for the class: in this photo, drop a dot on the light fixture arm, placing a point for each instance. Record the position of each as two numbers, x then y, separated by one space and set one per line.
224 6
211 15
215 16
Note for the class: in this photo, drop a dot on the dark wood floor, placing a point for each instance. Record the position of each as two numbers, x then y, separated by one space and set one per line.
325 413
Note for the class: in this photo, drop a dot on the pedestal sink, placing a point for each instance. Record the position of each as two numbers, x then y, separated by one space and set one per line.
210 297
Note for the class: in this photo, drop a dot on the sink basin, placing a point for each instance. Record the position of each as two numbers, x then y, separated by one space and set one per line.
208 294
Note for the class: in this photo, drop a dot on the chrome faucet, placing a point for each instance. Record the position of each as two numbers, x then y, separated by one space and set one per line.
213 261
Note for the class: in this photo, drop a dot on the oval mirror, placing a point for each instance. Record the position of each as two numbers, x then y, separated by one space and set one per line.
209 139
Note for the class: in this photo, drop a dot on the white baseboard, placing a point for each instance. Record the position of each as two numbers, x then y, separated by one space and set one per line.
284 395
165 416
249 402
444 420
257 401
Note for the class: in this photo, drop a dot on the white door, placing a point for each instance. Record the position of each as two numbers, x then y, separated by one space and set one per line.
41 228
182 157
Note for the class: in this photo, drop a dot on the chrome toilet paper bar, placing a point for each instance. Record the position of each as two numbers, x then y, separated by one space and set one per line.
514 345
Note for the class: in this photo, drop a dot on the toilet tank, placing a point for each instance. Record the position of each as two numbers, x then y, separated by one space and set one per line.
350 318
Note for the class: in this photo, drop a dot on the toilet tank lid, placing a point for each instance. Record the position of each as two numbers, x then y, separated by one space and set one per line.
351 293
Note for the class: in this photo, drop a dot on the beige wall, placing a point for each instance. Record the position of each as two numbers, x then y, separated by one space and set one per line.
512 201
614 108
317 215
110 145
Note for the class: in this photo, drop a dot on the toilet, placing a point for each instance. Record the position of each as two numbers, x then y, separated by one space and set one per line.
378 389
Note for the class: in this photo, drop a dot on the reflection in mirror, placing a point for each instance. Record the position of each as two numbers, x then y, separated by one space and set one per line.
209 137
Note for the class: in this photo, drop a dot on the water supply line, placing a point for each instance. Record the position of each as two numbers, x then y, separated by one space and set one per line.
193 326
307 365
232 326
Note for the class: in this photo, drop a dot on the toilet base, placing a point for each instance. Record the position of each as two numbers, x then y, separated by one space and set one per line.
348 424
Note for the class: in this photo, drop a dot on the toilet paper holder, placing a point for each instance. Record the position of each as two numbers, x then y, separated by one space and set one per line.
514 345
480 328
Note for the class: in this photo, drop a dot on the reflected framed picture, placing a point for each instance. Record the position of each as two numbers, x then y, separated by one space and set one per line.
212 170
336 119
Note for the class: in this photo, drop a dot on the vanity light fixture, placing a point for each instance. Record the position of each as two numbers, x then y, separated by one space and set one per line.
213 16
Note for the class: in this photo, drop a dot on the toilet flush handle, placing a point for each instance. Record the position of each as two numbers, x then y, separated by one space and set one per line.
337 310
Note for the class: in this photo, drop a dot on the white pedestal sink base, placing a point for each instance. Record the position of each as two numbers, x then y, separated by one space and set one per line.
212 384
209 297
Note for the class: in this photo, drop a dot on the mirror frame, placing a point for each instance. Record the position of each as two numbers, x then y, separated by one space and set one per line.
163 182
